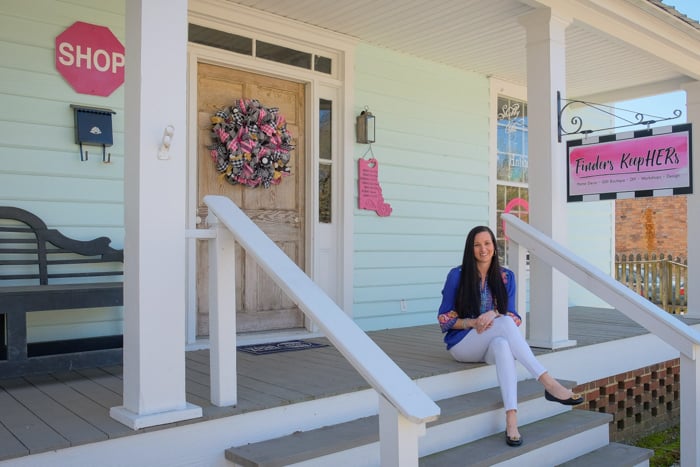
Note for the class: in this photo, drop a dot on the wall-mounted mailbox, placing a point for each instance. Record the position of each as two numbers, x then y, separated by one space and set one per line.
93 126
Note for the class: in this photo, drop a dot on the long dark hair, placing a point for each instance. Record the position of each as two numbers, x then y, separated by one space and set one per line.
468 300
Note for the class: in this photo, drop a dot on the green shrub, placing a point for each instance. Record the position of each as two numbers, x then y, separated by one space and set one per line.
666 446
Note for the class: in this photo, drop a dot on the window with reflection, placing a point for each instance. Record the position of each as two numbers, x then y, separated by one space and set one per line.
280 54
325 165
512 164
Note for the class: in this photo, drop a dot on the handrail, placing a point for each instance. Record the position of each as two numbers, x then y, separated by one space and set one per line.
362 353
671 330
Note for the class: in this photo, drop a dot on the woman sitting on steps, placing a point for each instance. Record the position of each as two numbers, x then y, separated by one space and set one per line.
474 297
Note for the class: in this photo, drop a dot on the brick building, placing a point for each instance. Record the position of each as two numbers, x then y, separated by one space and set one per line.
652 225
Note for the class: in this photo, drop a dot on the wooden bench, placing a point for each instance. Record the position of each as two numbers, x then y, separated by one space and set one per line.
43 270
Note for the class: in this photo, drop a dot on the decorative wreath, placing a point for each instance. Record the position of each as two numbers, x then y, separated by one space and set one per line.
251 144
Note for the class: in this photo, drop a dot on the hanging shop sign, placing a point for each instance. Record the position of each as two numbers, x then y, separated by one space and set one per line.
369 191
90 58
652 162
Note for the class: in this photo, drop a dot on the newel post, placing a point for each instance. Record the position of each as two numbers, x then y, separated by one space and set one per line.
222 315
517 262
690 408
398 437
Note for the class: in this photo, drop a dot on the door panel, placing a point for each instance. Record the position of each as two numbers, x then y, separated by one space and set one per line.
278 211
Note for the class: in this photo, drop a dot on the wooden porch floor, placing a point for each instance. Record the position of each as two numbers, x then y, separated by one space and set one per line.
48 412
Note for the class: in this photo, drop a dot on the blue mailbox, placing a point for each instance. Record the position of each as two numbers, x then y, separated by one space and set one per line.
93 126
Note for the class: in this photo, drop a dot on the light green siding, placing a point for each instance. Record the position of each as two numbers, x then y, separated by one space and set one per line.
40 167
432 149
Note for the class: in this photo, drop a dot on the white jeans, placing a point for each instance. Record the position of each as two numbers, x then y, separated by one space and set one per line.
501 344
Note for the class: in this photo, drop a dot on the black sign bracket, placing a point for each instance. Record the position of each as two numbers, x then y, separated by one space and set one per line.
576 121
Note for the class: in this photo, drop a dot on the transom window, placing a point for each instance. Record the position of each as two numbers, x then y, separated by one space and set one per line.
258 48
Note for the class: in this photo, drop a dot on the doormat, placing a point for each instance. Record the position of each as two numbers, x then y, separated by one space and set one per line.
276 347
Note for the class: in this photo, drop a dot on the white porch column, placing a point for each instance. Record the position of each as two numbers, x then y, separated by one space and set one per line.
154 246
546 66
693 286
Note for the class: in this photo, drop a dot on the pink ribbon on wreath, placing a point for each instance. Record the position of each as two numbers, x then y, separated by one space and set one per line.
223 136
261 115
247 145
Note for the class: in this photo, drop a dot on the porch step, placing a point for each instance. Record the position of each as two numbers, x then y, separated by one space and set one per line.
305 445
545 442
619 455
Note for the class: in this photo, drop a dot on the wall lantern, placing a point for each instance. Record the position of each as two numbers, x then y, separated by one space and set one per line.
365 127
93 126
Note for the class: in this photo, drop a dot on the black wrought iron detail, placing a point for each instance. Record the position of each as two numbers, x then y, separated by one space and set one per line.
577 122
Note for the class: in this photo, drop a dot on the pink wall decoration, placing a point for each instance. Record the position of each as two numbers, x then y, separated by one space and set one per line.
369 192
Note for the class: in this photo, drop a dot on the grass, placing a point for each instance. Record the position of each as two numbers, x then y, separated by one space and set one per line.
666 445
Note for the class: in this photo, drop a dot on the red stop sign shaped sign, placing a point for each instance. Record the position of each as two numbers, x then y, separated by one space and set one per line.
90 58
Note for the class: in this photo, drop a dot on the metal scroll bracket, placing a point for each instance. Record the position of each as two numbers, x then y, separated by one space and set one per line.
576 121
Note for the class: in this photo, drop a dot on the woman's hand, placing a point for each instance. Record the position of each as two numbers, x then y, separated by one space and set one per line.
515 318
485 321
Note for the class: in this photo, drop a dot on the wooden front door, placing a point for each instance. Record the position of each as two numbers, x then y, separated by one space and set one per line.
278 210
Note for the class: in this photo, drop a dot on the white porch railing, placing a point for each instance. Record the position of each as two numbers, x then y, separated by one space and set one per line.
404 409
671 330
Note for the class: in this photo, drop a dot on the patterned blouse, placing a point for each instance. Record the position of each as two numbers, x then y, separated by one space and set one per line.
447 316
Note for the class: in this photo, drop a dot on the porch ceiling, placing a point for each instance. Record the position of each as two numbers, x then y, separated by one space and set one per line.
603 53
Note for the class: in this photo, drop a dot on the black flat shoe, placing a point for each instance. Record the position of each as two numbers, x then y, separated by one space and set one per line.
515 441
575 400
